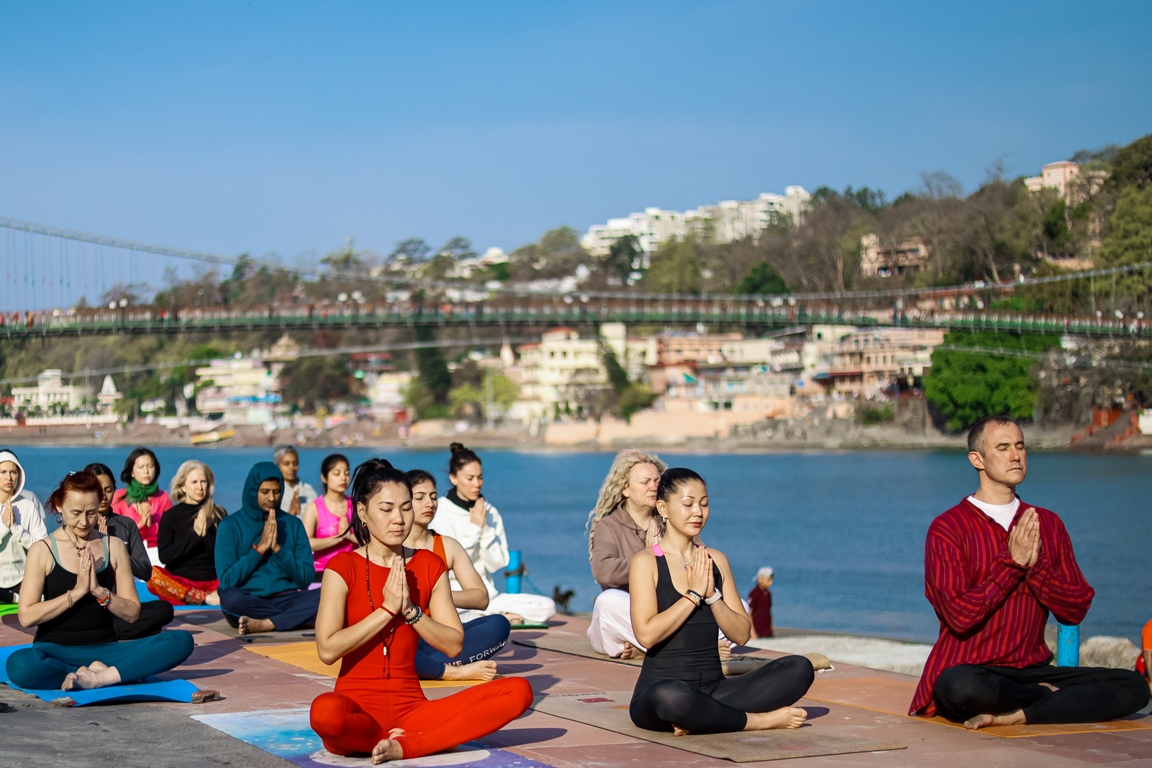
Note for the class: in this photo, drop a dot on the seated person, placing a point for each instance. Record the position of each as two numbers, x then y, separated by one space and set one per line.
993 569
377 602
187 540
154 614
21 525
466 516
263 560
623 523
328 518
484 635
297 493
142 501
76 583
681 593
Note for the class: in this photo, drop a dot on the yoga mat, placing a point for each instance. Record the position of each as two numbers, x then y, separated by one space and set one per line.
577 645
153 689
892 696
529 625
146 597
215 621
286 734
303 655
7 609
609 710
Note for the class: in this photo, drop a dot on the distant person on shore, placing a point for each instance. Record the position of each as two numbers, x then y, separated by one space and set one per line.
678 604
994 568
465 515
760 603
328 518
484 636
21 525
297 493
187 540
78 581
378 602
263 560
154 614
1144 663
142 501
623 522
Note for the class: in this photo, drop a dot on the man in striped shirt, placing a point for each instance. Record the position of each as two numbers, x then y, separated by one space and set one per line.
993 570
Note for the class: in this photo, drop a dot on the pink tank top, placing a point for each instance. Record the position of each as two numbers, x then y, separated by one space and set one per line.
328 524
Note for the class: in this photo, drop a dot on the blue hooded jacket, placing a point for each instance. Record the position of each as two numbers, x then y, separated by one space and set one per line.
239 565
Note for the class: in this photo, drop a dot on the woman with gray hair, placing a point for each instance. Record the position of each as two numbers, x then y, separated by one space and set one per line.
187 540
623 522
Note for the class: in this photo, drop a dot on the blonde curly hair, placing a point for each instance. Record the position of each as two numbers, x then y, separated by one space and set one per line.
612 491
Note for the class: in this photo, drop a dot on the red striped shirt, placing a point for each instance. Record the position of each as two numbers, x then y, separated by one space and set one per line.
991 610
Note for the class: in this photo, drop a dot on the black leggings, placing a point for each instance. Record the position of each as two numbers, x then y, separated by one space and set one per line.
1085 695
723 707
154 616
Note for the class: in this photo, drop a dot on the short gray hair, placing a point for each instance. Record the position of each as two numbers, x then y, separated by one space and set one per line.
283 450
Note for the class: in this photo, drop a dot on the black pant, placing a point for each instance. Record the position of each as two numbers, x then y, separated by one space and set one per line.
722 708
154 615
1085 695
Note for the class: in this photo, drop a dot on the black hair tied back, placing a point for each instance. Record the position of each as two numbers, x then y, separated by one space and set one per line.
366 480
673 479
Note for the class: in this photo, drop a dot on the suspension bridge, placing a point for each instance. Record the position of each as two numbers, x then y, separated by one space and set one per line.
58 282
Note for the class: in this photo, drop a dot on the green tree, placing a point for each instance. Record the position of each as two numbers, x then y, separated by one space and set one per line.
413 251
1129 241
762 279
316 381
628 396
1132 165
965 386
624 257
675 267
431 366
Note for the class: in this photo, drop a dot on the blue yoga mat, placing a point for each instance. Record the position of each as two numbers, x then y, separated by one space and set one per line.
151 690
147 597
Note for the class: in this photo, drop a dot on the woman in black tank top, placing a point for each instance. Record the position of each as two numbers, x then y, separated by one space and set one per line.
76 582
677 607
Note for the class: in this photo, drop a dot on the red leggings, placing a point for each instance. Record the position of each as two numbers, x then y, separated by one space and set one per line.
350 726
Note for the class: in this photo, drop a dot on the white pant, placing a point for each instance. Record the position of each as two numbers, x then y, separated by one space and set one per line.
536 609
611 625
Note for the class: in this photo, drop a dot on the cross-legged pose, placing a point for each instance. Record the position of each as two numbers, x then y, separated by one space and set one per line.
76 583
623 523
376 603
142 500
263 560
483 635
187 540
993 569
681 593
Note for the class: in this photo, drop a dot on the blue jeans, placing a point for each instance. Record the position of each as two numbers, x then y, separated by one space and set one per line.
483 637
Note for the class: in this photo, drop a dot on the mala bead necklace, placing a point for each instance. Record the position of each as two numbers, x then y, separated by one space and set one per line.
385 640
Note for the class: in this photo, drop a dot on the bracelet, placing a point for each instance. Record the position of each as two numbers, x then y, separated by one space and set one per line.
107 601
715 596
694 596
391 615
419 614
257 549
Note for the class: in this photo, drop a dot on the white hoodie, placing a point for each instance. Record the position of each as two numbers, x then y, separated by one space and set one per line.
26 530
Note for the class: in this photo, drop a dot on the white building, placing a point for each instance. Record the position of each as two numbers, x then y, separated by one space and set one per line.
50 392
239 389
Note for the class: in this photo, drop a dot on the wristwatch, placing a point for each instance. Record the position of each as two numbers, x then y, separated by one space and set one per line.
715 596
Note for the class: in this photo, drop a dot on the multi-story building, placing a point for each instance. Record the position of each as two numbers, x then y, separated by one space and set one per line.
1056 175
904 257
869 362
51 394
239 389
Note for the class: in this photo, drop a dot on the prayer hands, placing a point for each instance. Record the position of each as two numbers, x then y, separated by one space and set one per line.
1024 539
200 524
479 513
294 505
7 514
102 523
144 513
268 535
654 532
396 597
85 574
700 571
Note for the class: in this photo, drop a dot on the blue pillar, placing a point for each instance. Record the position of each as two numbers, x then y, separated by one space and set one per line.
515 573
1067 645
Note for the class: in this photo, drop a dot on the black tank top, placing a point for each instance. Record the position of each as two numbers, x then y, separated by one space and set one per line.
691 653
85 623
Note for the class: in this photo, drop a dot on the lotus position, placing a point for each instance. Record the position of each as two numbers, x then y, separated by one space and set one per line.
623 523
681 593
376 603
994 567
263 560
76 583
484 636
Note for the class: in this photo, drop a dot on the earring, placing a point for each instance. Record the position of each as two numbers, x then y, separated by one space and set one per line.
59 520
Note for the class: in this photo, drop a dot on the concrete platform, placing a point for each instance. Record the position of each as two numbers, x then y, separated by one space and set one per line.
154 735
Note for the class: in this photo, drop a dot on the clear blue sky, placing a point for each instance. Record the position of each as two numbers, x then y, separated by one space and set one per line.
286 127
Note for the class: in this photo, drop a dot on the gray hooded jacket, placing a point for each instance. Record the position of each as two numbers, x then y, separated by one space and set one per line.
27 528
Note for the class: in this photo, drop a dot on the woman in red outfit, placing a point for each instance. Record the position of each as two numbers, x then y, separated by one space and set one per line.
375 604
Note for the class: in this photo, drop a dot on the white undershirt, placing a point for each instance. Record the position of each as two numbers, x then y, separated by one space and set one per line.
1001 513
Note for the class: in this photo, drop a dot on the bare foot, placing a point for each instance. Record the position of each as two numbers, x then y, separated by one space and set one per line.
984 721
785 717
678 731
513 618
628 652
212 598
253 626
477 670
87 678
389 748
725 650
97 666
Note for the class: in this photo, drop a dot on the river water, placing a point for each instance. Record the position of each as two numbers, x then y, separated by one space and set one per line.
844 530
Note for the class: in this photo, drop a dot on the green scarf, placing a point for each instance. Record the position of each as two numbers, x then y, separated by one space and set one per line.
136 493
